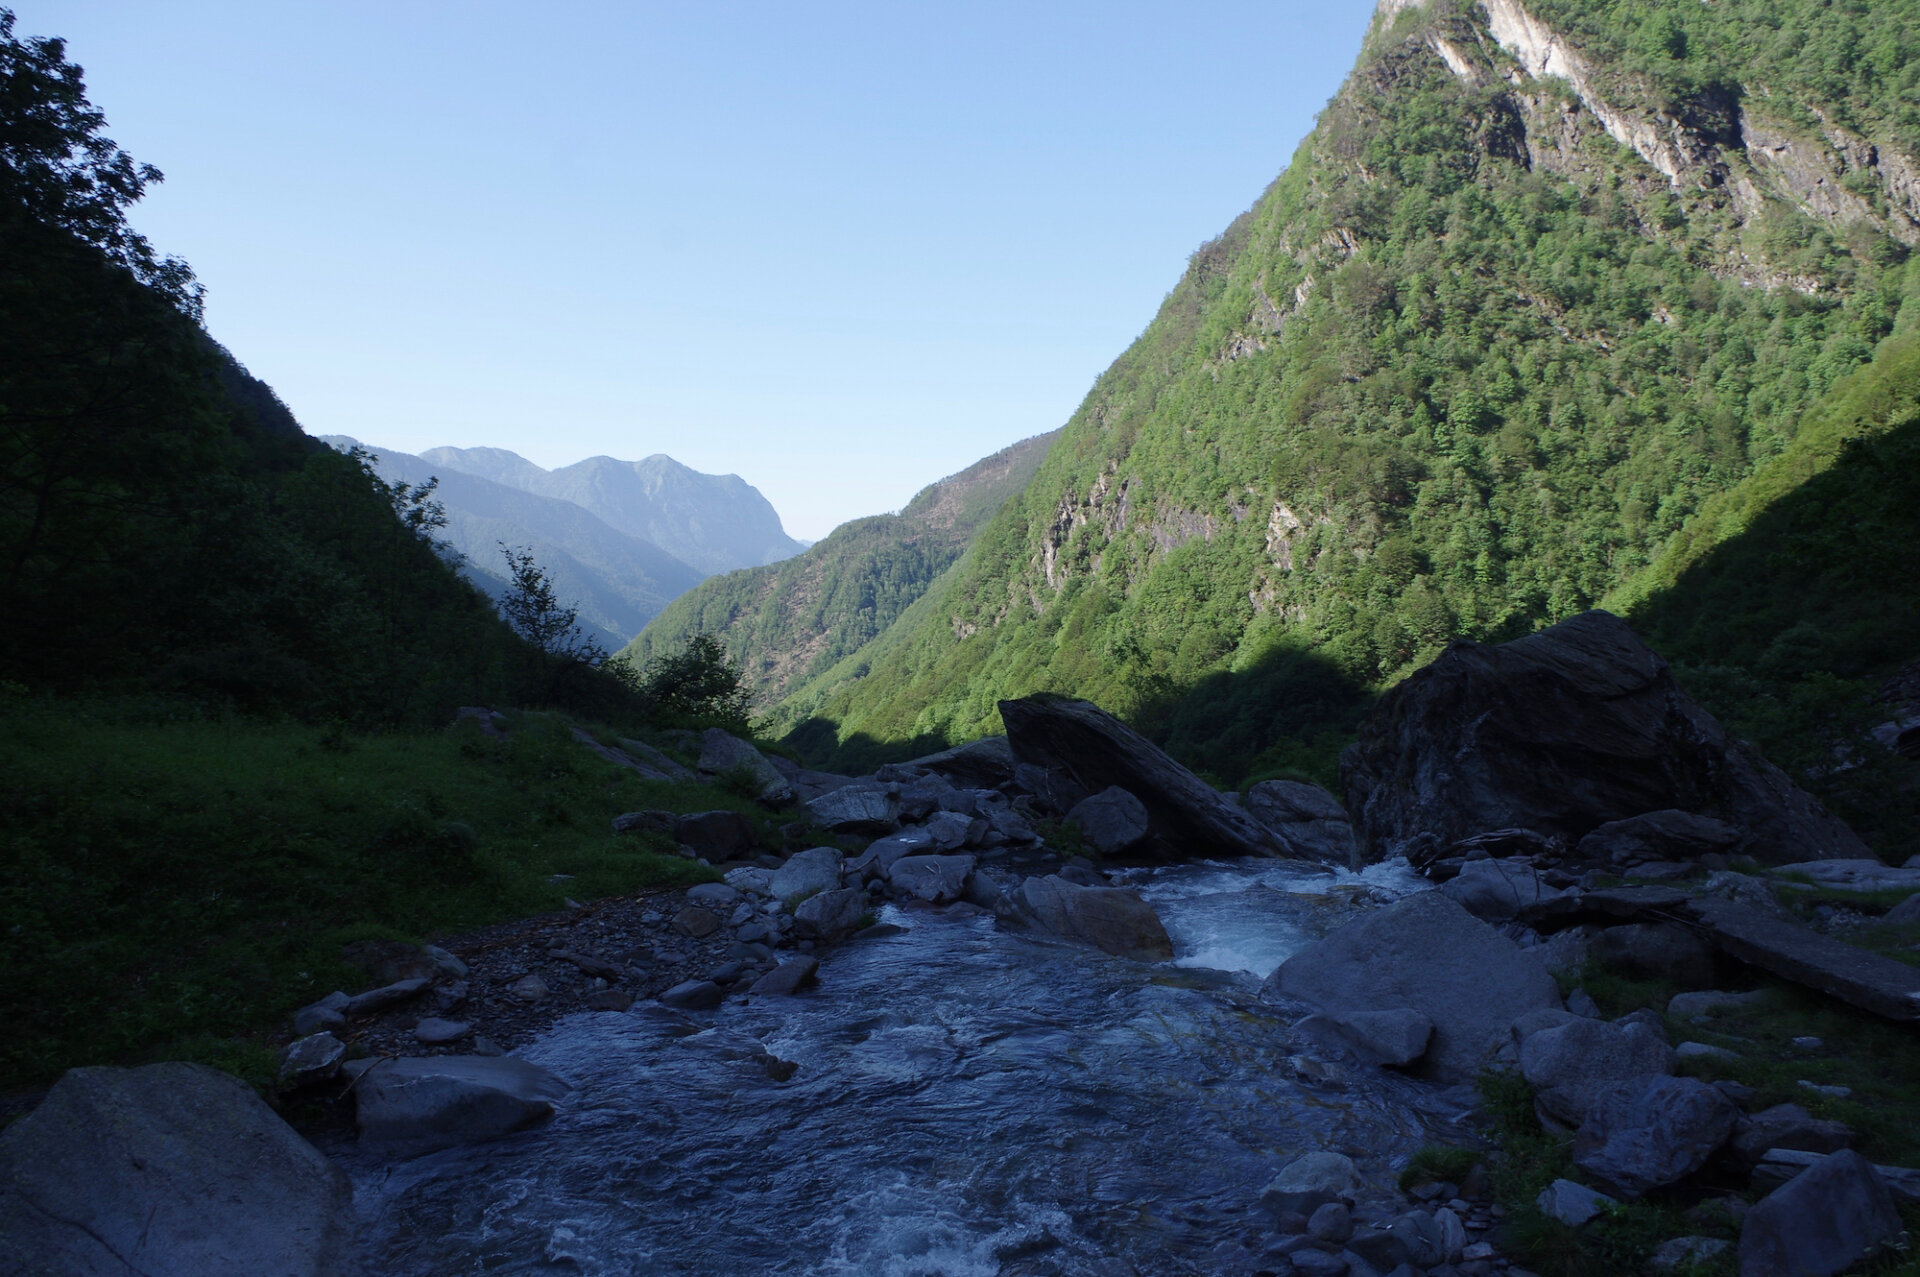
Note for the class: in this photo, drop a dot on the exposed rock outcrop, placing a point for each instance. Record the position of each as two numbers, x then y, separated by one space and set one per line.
1561 732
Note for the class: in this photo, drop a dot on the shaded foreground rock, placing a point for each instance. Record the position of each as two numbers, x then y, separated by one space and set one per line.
1099 751
1561 732
1427 954
1653 1131
1823 1221
1108 918
437 1101
1113 820
1308 819
172 1170
1572 1065
721 752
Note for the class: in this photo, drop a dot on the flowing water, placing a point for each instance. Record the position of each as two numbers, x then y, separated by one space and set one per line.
969 1100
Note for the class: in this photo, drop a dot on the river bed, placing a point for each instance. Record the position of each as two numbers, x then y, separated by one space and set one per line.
968 1100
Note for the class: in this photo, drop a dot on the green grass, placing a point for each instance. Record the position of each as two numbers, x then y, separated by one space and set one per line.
1440 1163
164 883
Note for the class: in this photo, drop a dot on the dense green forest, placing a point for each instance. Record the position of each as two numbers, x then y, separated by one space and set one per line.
1470 365
792 624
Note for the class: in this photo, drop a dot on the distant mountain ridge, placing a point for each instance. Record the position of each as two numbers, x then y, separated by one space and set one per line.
618 582
795 623
715 522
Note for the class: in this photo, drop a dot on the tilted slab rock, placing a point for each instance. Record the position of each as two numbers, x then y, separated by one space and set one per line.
985 763
1098 750
1822 1222
1426 953
1110 919
1308 819
1561 732
1793 952
721 751
172 1170
859 808
437 1101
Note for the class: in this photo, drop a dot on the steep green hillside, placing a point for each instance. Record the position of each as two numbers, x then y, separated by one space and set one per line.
1538 287
790 622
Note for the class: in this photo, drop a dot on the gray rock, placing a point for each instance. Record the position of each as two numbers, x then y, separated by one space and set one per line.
434 1031
1110 919
1306 817
1099 750
1653 1131
1581 1003
386 996
1310 1181
1703 1051
1331 1222
884 851
716 835
1667 835
721 752
1786 1126
806 873
314 1058
437 1101
329 1012
172 1170
1053 791
751 880
1430 1239
1498 889
696 922
948 830
1678 1252
859 808
831 915
1822 1222
936 879
921 797
1428 954
1561 732
986 762
653 821
1904 914
693 995
1533 1022
1703 1003
1112 821
787 978
1572 1065
1864 874
1656 951
529 989
1564 951
713 895
445 963
1573 1204
1397 1037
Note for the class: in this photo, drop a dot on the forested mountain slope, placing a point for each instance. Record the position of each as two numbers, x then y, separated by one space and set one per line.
794 621
714 522
616 581
1543 281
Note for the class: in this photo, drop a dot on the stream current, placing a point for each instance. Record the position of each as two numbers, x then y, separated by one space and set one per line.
968 1100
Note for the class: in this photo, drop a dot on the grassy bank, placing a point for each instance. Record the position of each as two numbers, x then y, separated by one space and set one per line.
168 882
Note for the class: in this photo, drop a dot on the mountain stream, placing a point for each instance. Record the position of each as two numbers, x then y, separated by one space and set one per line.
968 1100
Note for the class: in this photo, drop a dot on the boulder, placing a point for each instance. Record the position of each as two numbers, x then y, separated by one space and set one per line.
948 830
806 873
693 995
1572 1204
1562 732
311 1059
1099 751
1052 789
1652 1131
1570 1066
831 915
172 1170
696 922
1701 1004
1308 819
1426 953
723 753
329 1012
713 895
920 797
859 808
1110 919
716 835
937 880
1786 1126
1112 821
881 853
1658 835
1311 1181
1904 914
1498 889
985 763
433 1031
1821 1222
1655 951
787 978
437 1101
1397 1037
1689 1253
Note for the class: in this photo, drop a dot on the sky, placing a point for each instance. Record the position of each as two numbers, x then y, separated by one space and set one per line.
840 250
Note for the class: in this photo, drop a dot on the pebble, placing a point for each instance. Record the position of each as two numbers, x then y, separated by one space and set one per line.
528 988
437 1032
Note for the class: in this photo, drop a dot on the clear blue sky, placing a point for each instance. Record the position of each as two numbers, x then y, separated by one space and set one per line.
838 249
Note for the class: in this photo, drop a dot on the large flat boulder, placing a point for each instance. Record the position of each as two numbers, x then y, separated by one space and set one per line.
1427 954
1854 975
1183 812
859 808
806 873
1110 919
722 753
938 880
1821 1222
172 1170
1561 732
428 1102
